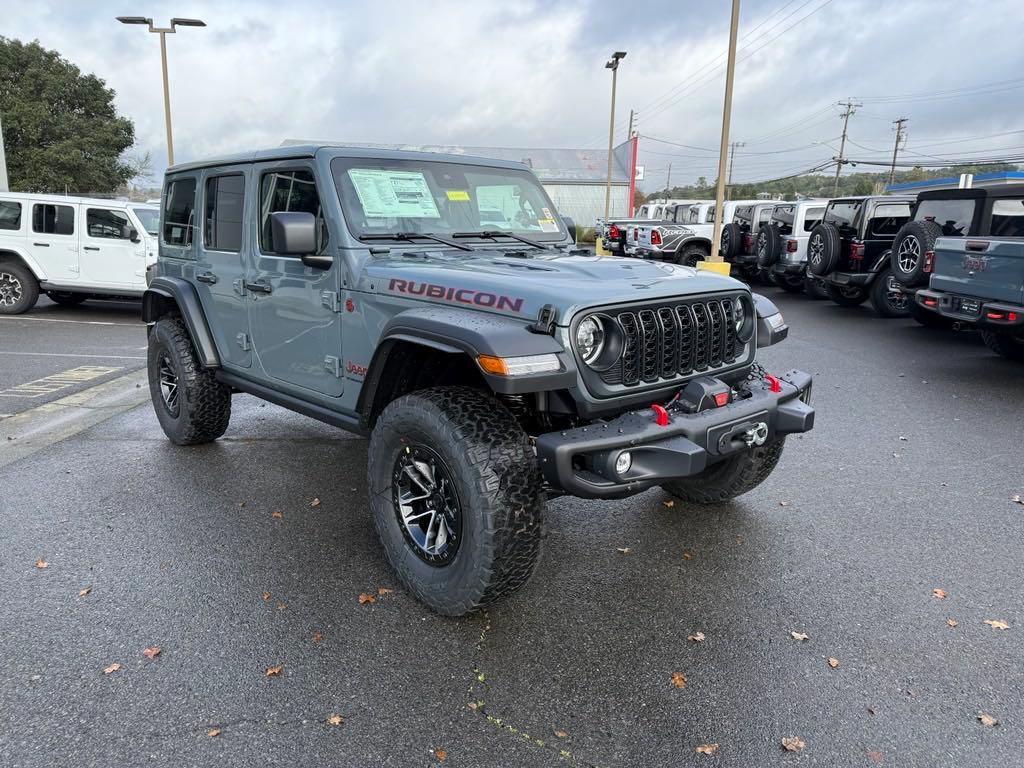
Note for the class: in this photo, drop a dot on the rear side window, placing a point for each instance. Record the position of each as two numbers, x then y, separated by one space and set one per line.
179 212
783 219
764 215
842 214
101 222
693 215
887 218
53 219
225 201
954 216
1008 217
10 214
745 213
289 191
812 218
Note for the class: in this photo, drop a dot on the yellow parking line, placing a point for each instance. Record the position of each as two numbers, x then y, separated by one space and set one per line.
58 381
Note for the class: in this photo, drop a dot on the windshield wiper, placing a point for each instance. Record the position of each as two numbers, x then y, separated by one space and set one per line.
410 236
492 234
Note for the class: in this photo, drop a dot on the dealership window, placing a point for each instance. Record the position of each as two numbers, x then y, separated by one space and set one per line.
179 212
53 219
1008 218
10 214
225 201
289 191
100 222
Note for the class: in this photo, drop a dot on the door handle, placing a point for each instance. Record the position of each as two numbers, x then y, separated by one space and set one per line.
89 248
42 245
206 277
976 245
258 286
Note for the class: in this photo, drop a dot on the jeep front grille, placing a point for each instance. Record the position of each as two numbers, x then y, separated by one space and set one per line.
674 340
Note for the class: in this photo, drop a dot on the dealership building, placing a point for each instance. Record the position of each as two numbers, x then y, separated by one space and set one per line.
963 181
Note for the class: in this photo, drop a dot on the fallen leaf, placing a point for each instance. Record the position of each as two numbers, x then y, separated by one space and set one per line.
799 636
366 597
783 503
384 591
669 503
623 550
241 504
112 668
1017 499
996 624
317 637
875 757
440 754
871 710
707 749
266 595
281 606
951 622
213 733
275 671
335 720
793 744
278 514
678 679
40 563
152 652
941 594
833 662
697 637
687 555
84 592
315 503
987 720
561 734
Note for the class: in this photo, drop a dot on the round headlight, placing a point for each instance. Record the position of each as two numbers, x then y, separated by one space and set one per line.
739 314
589 338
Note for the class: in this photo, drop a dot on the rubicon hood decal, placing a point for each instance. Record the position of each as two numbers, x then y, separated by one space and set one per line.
456 295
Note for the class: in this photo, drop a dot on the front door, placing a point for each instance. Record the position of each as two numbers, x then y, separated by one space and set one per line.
53 241
108 255
293 309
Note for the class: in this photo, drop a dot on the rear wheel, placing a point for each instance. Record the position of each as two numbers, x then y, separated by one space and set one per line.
18 289
768 246
847 296
913 240
692 255
456 496
1005 344
887 297
66 298
731 237
730 478
823 247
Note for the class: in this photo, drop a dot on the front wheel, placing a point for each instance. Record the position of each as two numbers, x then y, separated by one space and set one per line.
887 297
456 497
1005 344
847 296
730 478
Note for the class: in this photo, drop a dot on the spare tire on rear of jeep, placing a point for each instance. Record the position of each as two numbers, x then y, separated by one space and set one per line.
732 237
823 249
908 249
768 246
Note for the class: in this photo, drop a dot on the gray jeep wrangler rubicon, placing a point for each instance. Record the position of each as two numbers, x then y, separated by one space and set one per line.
491 365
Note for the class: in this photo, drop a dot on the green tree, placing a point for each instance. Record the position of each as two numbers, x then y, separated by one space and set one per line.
61 130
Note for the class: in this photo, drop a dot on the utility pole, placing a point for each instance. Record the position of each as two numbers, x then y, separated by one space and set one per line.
3 163
851 107
900 136
715 262
629 135
732 158
668 180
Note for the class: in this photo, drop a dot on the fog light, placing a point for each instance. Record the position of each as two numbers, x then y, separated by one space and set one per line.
623 462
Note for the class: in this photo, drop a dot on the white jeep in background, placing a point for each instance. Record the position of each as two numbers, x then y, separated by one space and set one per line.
73 249
781 245
686 239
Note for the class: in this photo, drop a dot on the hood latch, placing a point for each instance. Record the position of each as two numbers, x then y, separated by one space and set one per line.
545 322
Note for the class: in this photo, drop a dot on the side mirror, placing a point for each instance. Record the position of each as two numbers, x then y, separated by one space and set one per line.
571 226
294 234
133 235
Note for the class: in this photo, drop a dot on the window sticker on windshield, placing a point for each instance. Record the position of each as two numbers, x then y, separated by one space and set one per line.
547 213
459 195
394 194
547 225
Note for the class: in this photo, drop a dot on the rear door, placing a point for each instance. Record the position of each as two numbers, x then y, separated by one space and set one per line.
885 220
53 241
109 257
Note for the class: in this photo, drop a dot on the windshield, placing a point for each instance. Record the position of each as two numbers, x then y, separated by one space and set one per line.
149 218
384 197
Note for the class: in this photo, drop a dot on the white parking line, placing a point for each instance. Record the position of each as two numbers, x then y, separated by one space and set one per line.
58 381
80 322
74 354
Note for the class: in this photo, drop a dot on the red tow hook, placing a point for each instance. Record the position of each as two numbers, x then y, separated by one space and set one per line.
660 415
774 384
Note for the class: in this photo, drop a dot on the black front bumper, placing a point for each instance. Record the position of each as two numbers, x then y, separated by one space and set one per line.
581 461
996 315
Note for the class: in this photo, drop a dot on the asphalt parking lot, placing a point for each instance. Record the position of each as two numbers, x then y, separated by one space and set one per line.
903 487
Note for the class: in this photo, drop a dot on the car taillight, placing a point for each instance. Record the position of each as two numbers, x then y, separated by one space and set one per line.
655 237
995 314
930 301
791 246
614 233
856 251
636 234
929 262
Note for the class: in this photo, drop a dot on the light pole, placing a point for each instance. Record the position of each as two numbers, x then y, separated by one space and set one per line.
163 32
613 65
715 262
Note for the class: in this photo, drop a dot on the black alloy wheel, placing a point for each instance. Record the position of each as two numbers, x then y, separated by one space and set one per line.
427 505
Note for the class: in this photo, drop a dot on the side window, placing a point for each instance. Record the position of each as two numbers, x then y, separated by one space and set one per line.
812 218
1007 217
179 212
53 219
10 215
289 191
225 199
887 218
100 222
764 215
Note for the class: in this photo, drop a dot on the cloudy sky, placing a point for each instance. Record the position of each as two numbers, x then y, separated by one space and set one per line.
531 74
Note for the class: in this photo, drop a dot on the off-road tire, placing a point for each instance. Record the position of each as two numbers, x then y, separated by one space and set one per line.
883 301
203 403
66 298
691 255
823 247
732 239
908 249
846 296
1005 344
499 487
816 288
929 319
730 478
767 246
17 279
790 283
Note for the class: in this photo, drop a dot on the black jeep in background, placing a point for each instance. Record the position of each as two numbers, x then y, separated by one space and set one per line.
849 250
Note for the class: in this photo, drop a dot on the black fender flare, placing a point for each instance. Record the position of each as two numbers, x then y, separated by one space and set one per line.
166 294
771 328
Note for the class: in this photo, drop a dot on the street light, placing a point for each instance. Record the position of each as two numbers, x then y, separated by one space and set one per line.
715 262
613 65
163 32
